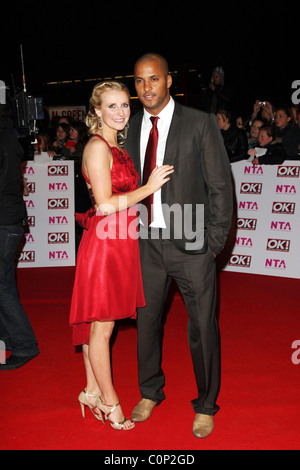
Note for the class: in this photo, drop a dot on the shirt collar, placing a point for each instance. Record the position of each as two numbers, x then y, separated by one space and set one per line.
165 114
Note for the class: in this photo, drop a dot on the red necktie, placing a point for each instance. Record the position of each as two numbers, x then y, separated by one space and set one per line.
149 165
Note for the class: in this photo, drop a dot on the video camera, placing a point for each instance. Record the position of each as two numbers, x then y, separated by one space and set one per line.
25 110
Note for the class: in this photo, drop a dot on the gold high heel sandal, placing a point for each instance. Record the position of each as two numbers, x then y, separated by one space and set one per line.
119 426
84 402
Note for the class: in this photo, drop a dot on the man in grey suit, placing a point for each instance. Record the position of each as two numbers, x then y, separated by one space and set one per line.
180 244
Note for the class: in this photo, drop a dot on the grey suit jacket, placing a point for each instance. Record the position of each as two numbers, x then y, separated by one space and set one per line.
200 190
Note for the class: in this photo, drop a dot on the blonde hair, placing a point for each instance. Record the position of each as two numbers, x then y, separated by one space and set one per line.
92 120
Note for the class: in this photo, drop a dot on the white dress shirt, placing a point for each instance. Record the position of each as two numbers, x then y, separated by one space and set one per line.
163 126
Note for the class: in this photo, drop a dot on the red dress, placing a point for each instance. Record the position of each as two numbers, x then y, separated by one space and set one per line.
108 282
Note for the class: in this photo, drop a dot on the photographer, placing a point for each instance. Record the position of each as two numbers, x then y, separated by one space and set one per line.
262 110
15 329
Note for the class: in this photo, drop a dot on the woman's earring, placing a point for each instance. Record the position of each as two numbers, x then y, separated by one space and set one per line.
100 126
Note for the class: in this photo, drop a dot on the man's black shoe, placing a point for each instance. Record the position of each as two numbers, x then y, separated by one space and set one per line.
14 362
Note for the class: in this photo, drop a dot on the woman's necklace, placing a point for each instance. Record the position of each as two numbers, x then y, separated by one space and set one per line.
115 144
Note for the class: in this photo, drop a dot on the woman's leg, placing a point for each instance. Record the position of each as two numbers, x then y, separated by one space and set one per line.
98 368
99 357
91 382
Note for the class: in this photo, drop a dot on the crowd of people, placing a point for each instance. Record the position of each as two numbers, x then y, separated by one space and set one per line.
66 140
269 136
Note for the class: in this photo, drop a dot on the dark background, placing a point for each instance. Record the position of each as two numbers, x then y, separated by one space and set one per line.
256 43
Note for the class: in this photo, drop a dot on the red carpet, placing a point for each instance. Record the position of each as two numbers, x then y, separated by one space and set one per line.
259 398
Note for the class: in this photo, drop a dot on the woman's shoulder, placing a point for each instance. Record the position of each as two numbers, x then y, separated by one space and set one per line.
97 150
96 141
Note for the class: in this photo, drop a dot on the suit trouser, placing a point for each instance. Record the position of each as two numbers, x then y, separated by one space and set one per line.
195 276
15 328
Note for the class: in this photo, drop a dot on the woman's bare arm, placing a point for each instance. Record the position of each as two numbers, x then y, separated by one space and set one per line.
97 164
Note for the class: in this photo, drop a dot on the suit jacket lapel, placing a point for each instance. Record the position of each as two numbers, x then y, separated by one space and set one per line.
135 141
172 136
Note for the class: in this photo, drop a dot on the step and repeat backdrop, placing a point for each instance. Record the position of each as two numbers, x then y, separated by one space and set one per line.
264 237
50 239
265 233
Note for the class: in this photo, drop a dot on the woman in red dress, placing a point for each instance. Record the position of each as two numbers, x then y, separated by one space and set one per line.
108 283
